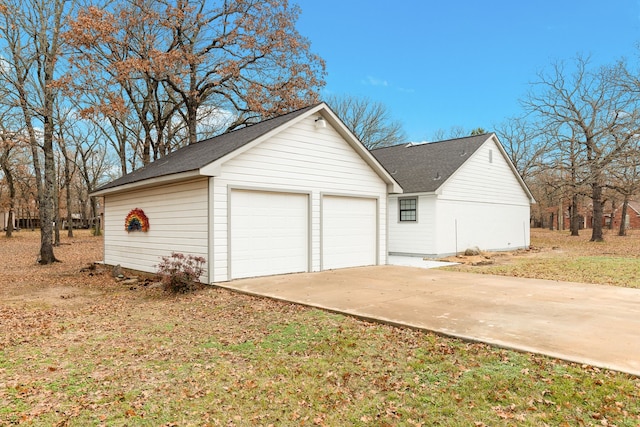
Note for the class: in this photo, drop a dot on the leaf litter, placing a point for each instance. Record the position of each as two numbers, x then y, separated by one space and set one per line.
78 348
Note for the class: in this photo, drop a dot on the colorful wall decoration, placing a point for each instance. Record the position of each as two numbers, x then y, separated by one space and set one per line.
136 221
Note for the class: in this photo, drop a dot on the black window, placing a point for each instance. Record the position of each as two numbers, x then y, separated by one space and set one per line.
408 209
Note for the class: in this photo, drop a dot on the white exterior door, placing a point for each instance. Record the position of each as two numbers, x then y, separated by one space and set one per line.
269 233
349 232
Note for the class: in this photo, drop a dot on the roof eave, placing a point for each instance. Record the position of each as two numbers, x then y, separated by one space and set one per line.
523 184
151 182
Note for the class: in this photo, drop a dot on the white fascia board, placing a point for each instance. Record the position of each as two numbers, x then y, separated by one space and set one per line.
493 138
149 183
347 135
532 200
214 168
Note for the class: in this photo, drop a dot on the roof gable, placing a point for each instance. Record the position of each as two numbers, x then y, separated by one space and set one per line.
425 167
202 158
195 156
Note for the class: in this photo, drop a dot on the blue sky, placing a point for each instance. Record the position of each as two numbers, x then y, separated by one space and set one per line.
459 62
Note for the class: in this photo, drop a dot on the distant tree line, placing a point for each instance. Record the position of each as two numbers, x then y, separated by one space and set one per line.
578 140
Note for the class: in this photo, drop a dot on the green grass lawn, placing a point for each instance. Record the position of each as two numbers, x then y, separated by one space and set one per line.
558 256
217 358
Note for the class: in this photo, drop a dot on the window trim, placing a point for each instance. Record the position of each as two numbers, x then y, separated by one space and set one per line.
414 210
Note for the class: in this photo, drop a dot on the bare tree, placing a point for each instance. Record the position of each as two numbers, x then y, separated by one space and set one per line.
368 120
591 108
93 165
32 31
453 132
69 167
244 57
524 144
8 141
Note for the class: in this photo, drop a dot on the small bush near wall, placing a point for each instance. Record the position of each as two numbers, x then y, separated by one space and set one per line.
179 273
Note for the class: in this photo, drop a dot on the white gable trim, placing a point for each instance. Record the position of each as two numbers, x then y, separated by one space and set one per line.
493 138
532 200
214 168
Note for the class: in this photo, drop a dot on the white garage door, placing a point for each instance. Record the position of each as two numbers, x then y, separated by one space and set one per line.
349 232
269 233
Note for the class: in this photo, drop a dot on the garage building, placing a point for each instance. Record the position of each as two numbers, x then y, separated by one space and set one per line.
296 193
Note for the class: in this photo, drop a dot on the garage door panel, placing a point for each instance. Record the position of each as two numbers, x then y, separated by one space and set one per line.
269 233
349 232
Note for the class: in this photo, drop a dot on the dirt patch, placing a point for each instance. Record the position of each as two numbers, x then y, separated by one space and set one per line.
61 295
497 258
67 283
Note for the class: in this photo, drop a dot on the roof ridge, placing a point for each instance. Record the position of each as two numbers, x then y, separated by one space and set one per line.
428 143
460 138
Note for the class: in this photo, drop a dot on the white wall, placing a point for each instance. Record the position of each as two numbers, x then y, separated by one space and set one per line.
490 227
178 222
482 204
487 203
482 180
412 238
300 158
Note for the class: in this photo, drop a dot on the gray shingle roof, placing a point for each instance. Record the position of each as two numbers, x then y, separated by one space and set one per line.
424 167
193 157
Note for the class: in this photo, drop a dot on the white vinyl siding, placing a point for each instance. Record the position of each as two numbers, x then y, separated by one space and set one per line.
349 232
482 204
488 226
301 158
479 180
269 233
412 237
178 222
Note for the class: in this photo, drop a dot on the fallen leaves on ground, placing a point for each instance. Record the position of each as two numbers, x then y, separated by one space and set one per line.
79 348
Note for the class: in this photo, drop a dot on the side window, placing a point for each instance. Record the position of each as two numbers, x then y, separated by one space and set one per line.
408 209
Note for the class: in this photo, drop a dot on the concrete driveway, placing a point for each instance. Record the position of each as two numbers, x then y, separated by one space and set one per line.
590 324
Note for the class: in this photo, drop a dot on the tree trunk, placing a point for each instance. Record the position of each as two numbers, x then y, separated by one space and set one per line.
146 149
623 217
67 180
560 217
596 196
10 223
12 192
56 216
47 202
613 214
192 121
69 217
575 218
97 231
552 215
